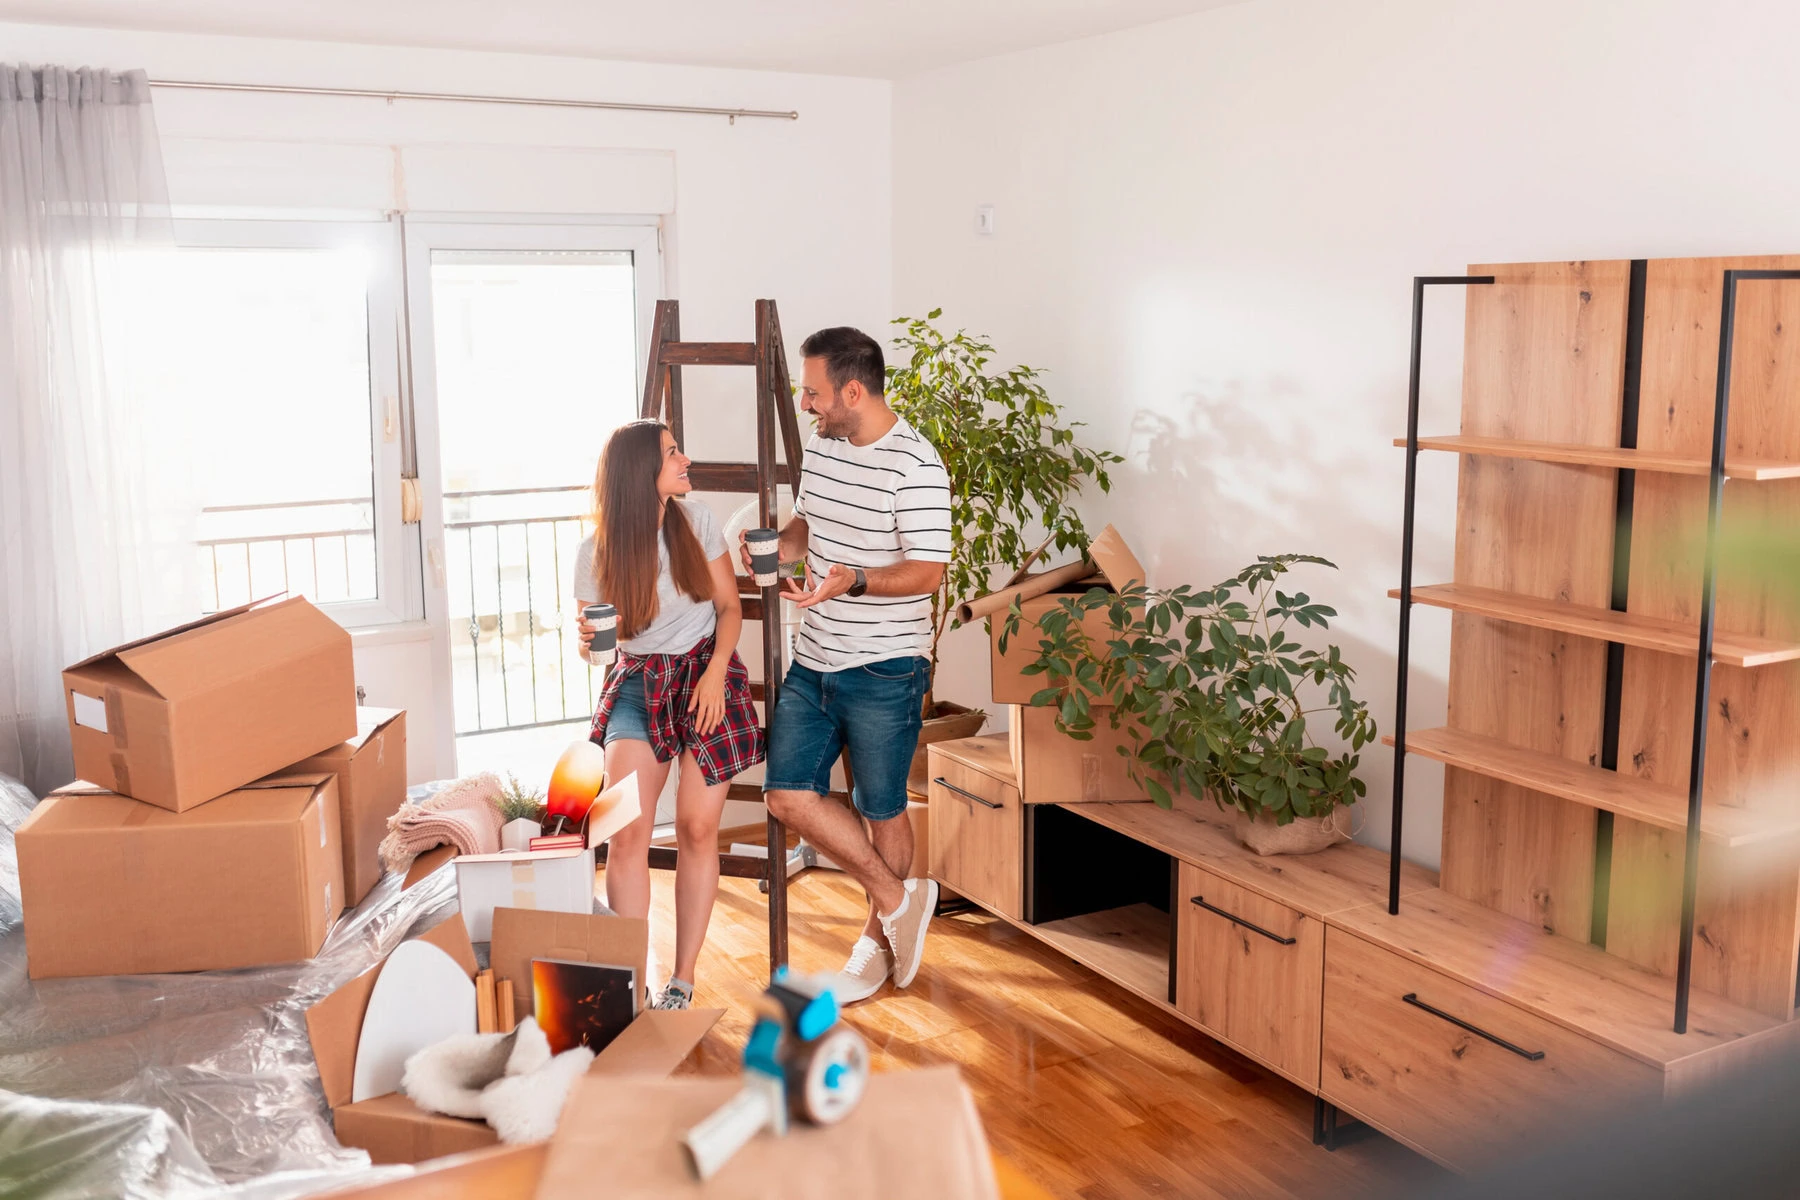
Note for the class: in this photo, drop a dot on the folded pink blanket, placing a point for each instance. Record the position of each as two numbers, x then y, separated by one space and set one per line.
461 815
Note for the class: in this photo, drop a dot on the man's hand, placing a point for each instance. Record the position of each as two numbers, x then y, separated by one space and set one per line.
744 551
818 590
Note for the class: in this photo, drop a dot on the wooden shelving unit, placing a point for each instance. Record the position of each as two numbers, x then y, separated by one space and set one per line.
1611 457
1128 945
1612 791
1605 625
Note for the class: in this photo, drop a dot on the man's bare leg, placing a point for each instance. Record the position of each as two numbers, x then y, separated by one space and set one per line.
894 841
839 833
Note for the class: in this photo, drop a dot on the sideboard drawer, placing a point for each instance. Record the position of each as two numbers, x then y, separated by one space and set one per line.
977 834
1456 1073
1248 970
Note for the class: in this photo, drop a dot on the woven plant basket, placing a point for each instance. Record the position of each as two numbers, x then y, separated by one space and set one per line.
1302 835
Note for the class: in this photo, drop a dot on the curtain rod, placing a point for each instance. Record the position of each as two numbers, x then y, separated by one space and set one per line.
369 93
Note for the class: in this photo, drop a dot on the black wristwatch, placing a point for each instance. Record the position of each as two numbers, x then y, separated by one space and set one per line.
862 582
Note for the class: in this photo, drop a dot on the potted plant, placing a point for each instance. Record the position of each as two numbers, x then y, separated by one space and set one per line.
1014 468
1216 698
522 812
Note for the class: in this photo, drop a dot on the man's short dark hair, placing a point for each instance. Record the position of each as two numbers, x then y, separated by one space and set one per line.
848 354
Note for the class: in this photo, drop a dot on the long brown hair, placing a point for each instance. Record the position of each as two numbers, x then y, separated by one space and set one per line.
626 505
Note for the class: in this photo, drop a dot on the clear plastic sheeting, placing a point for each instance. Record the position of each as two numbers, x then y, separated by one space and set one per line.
161 1086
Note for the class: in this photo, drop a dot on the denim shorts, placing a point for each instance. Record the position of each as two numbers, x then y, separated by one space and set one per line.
630 716
874 711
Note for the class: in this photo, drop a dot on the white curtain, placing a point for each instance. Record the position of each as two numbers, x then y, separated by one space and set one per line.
90 555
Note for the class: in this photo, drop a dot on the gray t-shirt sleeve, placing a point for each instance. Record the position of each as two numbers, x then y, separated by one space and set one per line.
706 528
587 588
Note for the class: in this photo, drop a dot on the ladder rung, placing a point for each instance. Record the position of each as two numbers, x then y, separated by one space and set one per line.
730 476
709 354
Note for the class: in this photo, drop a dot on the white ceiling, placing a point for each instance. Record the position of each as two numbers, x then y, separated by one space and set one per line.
877 38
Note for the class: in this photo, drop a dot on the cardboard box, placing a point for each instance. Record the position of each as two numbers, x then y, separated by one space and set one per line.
371 775
1054 768
491 1173
392 1128
1117 568
547 880
185 716
115 887
914 1136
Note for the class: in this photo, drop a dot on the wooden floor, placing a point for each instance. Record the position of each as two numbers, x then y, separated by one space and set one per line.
1085 1089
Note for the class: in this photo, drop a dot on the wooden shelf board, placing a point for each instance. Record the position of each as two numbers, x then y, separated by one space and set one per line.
1626 795
1576 985
1630 629
1607 456
1196 831
1129 946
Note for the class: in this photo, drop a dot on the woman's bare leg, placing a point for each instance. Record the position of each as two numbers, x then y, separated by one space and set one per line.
697 808
628 851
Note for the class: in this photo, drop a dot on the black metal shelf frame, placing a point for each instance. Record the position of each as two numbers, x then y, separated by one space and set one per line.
1690 883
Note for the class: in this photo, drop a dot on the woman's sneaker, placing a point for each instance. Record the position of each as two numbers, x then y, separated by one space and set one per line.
869 966
675 996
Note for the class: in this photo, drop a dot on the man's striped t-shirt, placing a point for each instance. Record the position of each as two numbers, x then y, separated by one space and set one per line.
870 506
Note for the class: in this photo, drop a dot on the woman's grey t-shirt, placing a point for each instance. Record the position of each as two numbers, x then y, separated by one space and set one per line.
681 621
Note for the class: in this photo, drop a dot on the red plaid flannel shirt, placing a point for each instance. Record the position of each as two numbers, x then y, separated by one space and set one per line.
669 682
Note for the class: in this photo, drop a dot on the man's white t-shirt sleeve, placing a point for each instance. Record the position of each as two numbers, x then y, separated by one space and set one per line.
922 513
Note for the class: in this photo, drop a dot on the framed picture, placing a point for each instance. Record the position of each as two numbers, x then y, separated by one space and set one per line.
582 1003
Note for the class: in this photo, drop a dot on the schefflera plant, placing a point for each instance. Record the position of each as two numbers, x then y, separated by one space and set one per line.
1213 694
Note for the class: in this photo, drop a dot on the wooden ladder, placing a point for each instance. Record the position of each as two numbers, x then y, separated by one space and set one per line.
776 428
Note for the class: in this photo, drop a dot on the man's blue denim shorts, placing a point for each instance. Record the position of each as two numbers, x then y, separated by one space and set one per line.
873 710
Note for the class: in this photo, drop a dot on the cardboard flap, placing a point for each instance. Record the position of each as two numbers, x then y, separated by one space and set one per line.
201 659
1116 561
656 1043
519 856
427 863
334 1024
369 722
617 807
209 619
522 934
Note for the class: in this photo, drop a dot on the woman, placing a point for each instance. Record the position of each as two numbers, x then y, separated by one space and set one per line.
678 688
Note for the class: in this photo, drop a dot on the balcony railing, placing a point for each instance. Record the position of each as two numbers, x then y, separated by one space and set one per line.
515 650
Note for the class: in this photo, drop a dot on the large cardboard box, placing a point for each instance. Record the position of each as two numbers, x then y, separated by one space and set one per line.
177 719
915 1135
1054 768
115 887
395 1130
371 775
1117 568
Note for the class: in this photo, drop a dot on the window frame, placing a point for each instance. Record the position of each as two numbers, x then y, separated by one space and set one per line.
396 550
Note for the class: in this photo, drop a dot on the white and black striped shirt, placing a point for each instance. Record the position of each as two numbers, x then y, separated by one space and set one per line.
870 506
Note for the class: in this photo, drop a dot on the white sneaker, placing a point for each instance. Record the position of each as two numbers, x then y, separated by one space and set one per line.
869 966
905 929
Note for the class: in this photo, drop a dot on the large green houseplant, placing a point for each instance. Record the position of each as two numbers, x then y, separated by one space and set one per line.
1014 466
1215 697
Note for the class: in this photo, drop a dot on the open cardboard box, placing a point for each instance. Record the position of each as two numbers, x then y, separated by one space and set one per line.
392 1128
548 880
187 715
114 887
1116 568
371 775
1053 768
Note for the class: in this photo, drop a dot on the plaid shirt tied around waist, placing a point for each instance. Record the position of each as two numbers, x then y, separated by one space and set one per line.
669 682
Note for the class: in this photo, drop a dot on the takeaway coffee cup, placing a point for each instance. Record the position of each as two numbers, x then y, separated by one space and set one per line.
765 555
605 620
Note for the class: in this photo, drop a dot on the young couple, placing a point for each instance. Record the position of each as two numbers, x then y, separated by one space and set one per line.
872 527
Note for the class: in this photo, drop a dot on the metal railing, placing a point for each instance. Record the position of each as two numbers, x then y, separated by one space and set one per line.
515 652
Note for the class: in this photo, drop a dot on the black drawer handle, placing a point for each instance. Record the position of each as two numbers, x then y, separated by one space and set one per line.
1412 998
981 800
1237 920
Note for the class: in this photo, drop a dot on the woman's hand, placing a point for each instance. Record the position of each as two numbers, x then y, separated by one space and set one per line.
708 701
587 632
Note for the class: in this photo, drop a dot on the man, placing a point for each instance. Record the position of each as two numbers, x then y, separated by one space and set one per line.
872 526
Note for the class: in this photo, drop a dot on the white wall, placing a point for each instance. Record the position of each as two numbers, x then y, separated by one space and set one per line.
794 210
1206 230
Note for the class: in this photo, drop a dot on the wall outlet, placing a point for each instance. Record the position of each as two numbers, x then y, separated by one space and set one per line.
984 220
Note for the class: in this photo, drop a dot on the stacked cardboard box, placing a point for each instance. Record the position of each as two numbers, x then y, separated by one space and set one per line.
228 797
1051 767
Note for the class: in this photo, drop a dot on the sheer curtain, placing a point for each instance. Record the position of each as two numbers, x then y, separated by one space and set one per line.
92 550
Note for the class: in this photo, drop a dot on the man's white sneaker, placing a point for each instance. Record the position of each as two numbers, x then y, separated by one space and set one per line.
869 966
905 929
